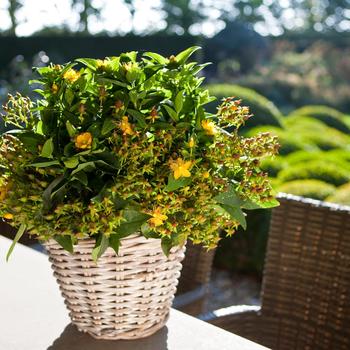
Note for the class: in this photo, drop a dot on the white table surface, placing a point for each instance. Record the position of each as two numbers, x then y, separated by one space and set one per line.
33 315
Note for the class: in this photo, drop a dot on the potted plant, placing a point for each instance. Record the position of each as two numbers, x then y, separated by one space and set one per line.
114 168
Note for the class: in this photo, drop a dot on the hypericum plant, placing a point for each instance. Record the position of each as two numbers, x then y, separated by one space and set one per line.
122 145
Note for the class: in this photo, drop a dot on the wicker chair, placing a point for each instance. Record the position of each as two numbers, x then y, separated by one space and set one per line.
306 284
193 285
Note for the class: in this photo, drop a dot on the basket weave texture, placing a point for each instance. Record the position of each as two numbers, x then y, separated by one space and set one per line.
124 296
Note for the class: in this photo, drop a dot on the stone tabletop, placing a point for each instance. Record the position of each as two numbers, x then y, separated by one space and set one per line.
33 315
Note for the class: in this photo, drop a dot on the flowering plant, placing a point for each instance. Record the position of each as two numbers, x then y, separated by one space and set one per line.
122 145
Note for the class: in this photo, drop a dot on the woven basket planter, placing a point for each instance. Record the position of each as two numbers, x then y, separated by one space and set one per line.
124 296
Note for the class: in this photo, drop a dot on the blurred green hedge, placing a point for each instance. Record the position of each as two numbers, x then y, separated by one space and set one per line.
308 188
327 115
318 170
341 195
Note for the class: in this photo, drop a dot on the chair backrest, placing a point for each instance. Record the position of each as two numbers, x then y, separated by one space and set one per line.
307 269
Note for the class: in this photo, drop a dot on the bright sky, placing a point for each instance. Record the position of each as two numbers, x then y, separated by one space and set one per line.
115 17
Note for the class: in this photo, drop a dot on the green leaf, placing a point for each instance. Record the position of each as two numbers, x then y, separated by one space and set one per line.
100 247
30 140
108 125
133 97
88 166
47 202
111 81
172 113
138 116
114 242
229 198
65 242
179 101
133 221
175 184
269 204
69 96
88 62
71 163
183 56
155 56
81 177
237 214
19 234
44 164
70 129
39 128
166 244
47 149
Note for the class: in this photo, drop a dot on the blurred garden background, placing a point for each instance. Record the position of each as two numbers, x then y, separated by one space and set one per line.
289 60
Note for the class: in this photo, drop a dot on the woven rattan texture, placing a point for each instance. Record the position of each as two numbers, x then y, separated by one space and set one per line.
306 285
124 296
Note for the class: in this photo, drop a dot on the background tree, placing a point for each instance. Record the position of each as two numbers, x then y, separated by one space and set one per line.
86 9
13 7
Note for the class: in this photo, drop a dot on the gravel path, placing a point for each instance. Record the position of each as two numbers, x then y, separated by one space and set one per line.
227 288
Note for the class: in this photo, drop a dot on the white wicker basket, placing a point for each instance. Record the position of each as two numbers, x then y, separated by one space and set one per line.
124 296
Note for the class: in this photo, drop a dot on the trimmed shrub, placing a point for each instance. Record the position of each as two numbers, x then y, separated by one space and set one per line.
308 188
341 195
318 170
315 132
327 115
265 112
272 165
338 157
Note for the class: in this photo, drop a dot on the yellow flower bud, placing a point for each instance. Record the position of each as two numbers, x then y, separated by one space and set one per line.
191 142
54 88
83 141
8 216
126 127
209 127
71 75
206 174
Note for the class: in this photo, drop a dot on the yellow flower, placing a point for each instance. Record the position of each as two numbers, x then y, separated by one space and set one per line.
153 115
209 127
157 218
102 64
126 127
191 142
8 216
206 174
71 75
54 88
83 140
180 168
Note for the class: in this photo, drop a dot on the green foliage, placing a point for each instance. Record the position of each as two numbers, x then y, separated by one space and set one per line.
341 195
124 145
318 170
327 115
308 188
337 157
314 132
264 111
